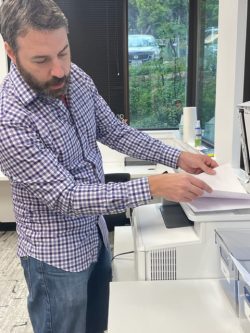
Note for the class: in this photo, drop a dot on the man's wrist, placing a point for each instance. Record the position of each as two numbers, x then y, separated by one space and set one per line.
179 160
153 182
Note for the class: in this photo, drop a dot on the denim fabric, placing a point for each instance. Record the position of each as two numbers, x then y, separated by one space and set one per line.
68 302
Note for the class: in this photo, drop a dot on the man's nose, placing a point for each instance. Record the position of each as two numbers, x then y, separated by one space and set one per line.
57 69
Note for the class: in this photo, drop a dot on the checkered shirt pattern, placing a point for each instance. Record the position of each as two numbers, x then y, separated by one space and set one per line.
49 153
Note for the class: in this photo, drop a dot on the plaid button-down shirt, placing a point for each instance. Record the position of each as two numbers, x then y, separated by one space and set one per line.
49 153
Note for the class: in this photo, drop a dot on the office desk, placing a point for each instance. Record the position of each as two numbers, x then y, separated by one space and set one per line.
113 161
180 306
135 171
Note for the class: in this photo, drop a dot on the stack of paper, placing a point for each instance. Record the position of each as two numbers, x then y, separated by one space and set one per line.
228 193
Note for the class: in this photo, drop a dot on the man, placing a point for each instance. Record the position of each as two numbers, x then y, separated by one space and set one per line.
51 117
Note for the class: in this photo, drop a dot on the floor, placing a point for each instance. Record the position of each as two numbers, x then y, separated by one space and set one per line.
13 292
13 311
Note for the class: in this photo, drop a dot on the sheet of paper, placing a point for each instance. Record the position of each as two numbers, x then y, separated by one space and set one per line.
224 183
228 193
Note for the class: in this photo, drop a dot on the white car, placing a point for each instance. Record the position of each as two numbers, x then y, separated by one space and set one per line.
211 39
142 48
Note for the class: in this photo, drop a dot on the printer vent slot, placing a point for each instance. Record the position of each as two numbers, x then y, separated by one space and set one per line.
163 264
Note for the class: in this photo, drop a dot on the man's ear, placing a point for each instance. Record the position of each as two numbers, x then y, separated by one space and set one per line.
10 52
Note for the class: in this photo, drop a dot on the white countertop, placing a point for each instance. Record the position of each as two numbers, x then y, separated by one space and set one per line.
179 306
135 171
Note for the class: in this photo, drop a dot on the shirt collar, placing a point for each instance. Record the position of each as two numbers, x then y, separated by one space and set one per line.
22 89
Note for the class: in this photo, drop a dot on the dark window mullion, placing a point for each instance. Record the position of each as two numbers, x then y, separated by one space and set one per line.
192 53
246 93
125 61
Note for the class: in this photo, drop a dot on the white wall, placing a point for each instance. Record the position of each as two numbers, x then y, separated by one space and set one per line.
230 79
3 59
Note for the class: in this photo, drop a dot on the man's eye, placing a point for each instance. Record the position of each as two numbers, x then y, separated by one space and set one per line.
63 54
40 61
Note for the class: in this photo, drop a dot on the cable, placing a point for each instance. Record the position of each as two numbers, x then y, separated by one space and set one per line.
121 254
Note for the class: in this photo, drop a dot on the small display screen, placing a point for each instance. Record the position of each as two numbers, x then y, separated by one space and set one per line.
174 216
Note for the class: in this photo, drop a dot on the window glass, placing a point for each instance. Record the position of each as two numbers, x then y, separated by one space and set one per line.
206 65
157 56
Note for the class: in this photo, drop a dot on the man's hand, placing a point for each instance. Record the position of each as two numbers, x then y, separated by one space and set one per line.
177 187
196 163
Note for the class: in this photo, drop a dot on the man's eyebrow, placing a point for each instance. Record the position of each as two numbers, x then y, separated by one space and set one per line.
46 56
65 47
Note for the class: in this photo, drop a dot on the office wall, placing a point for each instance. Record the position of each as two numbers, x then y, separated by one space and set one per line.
3 58
3 61
230 79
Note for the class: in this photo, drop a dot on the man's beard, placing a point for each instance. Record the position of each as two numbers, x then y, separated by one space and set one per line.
44 88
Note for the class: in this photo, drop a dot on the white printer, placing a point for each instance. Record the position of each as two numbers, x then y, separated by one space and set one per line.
188 252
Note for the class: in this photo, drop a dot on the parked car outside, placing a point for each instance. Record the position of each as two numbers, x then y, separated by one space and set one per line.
142 48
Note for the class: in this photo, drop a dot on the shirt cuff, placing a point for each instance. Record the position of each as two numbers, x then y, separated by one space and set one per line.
138 192
172 157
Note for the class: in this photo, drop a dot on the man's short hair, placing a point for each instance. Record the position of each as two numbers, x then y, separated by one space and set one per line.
18 16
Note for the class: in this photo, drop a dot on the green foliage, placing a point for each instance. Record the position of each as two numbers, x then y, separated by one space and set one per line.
211 9
153 92
161 18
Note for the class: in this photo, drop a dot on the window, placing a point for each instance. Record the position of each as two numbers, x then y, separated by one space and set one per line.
157 54
168 40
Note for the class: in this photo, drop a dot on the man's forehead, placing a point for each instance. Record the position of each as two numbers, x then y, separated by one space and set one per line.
43 41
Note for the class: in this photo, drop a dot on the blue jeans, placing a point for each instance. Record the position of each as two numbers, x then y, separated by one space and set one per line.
66 302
